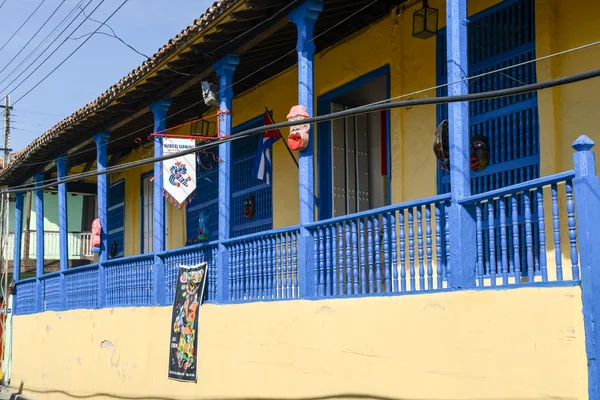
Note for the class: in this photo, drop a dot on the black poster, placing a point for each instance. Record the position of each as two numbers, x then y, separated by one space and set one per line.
189 292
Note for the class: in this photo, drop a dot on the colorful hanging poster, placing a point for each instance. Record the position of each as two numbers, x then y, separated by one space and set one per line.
179 174
189 292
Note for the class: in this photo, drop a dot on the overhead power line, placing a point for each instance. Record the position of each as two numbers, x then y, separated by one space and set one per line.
68 57
323 118
22 25
34 35
48 47
43 42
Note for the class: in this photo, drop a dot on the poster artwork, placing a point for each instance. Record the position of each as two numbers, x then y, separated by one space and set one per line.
179 174
189 292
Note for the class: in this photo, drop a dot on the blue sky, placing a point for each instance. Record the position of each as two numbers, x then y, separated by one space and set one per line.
101 62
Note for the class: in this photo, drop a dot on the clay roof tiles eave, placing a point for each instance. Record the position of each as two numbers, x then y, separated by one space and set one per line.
126 82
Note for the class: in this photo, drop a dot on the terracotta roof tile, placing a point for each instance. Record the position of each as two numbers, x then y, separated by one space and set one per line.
109 95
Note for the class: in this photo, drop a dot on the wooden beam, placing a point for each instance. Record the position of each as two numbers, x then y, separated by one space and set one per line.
247 15
262 4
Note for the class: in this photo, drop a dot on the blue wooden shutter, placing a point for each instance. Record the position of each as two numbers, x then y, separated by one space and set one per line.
116 216
500 36
206 198
244 184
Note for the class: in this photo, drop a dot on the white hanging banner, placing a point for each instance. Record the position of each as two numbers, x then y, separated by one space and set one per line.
179 174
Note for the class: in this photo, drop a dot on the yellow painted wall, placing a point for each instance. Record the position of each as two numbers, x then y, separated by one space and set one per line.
565 112
515 344
133 212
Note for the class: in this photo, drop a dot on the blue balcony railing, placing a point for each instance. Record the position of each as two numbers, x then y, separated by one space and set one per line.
391 250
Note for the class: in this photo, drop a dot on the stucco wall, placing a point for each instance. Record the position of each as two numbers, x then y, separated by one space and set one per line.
507 344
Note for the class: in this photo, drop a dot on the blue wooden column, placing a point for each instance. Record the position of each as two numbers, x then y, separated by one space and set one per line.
101 140
305 17
39 241
63 227
18 235
225 69
587 202
159 109
462 223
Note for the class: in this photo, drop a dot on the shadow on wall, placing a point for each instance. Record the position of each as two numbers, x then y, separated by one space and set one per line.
345 396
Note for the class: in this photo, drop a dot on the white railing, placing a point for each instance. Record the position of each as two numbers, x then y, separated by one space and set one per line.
79 245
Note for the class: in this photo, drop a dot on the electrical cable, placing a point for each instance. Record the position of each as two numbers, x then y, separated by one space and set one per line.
323 118
378 102
22 25
2 3
66 59
234 83
51 54
44 41
34 35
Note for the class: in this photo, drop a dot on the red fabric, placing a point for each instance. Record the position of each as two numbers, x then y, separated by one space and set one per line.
384 152
274 133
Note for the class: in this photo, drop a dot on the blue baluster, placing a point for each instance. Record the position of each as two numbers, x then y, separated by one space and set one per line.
341 266
429 243
572 230
272 268
402 253
503 241
321 263
290 265
369 267
263 269
295 286
514 202
394 252
334 261
479 236
556 223
348 259
376 238
438 245
411 247
447 240
542 234
420 248
233 269
363 258
492 242
230 278
386 253
528 236
355 274
328 245
254 269
279 265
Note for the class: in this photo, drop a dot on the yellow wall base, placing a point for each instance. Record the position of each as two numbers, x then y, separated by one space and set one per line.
504 344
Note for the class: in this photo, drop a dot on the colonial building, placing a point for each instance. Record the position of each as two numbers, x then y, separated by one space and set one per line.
428 277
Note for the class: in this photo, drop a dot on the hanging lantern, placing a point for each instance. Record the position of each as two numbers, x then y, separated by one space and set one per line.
425 22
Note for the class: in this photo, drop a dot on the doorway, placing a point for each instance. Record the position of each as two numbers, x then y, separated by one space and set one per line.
353 153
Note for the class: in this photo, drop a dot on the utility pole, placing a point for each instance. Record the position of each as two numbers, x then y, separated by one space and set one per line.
4 223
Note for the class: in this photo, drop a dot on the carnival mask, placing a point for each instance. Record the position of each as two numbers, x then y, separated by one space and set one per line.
479 149
299 134
249 207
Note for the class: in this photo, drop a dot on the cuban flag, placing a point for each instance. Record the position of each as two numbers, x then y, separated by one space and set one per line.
262 162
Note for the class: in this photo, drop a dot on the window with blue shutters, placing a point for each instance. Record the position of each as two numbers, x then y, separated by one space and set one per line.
501 36
244 184
202 212
498 37
116 216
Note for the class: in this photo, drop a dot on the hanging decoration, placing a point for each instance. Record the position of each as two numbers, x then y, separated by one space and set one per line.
479 149
203 227
179 174
183 346
299 134
96 236
249 207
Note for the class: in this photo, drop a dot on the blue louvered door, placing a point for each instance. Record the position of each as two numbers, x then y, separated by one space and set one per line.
244 184
116 216
204 206
500 36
